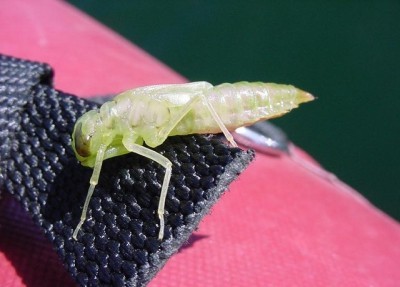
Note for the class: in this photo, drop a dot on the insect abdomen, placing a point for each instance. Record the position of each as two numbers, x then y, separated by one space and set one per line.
242 104
248 103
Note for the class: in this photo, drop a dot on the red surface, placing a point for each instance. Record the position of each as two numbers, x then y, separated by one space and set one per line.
77 48
279 225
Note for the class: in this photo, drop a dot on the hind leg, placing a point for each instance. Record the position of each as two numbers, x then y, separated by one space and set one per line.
199 97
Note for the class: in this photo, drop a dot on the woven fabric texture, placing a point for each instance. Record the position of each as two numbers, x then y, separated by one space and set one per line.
117 245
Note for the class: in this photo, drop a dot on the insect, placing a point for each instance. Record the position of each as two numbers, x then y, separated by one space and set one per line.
151 114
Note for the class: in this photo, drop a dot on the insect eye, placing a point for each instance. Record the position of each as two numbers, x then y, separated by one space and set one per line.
82 142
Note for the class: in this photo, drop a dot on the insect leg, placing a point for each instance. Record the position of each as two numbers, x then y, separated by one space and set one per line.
131 146
218 120
165 131
93 182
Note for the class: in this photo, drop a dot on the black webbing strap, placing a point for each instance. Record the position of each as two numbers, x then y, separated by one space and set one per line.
118 244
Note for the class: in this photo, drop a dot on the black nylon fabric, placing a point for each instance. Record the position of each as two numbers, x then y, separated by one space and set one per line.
117 245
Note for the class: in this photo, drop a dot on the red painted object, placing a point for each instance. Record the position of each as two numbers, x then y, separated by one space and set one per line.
303 231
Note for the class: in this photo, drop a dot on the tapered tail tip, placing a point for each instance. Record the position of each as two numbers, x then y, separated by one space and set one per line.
304 97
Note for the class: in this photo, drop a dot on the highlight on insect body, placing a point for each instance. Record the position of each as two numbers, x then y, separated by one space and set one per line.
148 115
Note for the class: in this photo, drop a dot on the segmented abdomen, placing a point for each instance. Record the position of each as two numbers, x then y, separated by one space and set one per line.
241 104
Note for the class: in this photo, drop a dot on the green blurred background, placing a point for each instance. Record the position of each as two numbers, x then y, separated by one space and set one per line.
347 53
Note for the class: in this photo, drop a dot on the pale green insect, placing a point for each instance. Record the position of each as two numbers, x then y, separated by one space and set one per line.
153 113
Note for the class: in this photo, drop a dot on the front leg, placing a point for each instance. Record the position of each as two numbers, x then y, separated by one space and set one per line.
93 182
